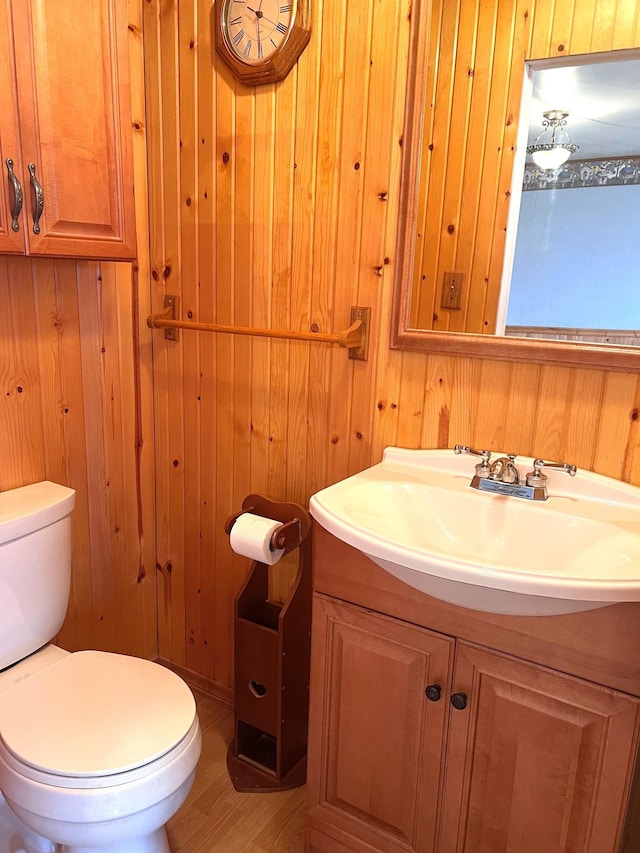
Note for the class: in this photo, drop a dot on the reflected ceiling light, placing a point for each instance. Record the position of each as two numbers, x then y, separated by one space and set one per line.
553 146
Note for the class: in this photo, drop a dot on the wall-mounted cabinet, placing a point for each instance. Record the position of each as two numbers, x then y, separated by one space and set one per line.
65 140
424 740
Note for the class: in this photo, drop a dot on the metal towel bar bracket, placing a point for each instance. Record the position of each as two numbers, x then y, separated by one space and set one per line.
355 338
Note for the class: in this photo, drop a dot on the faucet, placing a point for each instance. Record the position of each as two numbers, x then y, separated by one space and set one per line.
502 476
504 470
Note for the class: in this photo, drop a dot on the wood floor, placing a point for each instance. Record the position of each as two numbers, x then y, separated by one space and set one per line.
217 817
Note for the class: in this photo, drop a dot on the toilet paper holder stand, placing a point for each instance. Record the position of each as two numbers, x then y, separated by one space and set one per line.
290 535
272 650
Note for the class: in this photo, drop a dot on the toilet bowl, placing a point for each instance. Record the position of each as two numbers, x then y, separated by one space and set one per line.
97 750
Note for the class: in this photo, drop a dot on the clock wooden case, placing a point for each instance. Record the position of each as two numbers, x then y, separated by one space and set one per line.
261 40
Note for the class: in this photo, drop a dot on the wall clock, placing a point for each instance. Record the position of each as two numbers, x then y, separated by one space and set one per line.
261 40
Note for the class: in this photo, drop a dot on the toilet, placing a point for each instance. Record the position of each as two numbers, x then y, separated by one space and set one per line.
97 750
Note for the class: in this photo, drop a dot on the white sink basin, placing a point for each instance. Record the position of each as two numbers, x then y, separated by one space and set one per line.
415 515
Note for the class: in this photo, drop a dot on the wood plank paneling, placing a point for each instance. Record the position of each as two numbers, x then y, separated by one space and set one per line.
70 412
268 205
278 205
75 408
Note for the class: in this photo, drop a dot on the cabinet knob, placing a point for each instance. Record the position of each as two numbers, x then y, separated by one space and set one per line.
433 692
459 701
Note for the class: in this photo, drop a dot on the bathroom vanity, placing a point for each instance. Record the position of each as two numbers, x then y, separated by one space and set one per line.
435 727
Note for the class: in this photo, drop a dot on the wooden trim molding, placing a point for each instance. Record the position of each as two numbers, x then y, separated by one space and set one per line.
561 353
223 695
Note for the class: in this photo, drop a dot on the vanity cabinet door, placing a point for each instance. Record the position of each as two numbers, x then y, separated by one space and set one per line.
72 79
376 742
536 761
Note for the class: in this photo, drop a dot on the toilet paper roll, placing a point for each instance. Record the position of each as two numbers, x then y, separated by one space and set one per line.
251 535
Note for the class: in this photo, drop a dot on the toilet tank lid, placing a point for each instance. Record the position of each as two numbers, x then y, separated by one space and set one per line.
33 507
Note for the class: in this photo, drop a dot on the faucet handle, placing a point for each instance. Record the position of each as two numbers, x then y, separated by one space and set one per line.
464 448
537 478
482 468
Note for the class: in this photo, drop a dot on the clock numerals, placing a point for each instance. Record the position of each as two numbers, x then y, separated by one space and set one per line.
256 32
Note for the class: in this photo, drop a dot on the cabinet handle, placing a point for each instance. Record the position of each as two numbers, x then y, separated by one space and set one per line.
39 198
17 195
433 692
459 701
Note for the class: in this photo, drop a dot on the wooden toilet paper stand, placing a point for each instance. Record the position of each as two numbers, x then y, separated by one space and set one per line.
272 644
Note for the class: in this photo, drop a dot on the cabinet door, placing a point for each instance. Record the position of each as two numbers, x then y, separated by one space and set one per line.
375 741
75 120
537 761
11 239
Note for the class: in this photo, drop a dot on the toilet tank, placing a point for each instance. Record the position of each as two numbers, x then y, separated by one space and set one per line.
35 566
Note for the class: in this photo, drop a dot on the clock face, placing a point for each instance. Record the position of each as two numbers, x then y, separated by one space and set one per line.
255 29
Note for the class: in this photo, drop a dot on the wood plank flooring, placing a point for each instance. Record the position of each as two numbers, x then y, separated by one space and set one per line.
216 817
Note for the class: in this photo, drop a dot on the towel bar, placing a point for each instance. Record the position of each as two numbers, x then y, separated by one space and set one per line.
354 338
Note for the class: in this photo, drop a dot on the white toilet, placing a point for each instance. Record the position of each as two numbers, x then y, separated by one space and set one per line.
97 750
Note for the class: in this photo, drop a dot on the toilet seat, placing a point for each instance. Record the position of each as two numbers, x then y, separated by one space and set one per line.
35 795
11 764
139 712
131 767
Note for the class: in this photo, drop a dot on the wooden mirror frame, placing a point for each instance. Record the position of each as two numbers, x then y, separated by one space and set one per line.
403 336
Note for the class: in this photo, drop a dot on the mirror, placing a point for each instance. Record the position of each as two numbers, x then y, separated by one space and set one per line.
572 262
495 251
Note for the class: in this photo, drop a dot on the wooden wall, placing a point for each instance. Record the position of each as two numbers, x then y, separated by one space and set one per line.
277 206
271 206
75 408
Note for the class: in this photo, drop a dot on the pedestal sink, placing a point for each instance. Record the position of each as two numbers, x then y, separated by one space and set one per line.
415 515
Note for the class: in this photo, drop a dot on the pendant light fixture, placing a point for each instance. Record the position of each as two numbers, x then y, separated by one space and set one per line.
553 146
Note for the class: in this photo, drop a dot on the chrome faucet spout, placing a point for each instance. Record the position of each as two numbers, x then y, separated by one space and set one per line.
504 470
495 472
